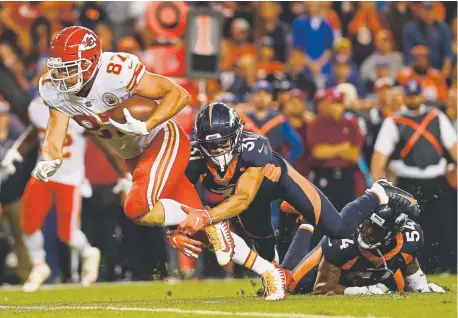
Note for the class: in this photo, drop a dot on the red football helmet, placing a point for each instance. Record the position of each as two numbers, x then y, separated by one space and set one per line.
74 57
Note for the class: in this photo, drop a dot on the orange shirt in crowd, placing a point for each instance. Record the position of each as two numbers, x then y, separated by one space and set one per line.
433 83
231 52
364 18
333 19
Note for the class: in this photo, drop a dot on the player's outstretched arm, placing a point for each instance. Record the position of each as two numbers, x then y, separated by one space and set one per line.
416 280
56 133
245 191
173 97
327 279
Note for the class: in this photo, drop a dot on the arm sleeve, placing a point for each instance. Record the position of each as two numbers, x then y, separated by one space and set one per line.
295 142
448 134
387 138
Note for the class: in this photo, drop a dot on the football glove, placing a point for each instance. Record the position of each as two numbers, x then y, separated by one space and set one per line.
7 166
132 126
195 221
431 288
378 289
123 185
45 169
184 244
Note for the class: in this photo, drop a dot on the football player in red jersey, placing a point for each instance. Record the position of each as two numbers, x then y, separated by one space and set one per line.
85 84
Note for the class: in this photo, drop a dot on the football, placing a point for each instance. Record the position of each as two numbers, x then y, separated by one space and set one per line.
140 108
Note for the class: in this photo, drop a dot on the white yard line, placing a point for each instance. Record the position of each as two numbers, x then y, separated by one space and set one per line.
172 310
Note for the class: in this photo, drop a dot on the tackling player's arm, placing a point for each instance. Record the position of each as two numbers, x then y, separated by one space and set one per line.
173 97
245 191
327 279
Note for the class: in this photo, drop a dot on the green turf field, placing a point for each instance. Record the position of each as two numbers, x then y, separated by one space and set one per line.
216 299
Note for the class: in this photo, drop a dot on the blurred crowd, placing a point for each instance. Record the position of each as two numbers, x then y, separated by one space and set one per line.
303 74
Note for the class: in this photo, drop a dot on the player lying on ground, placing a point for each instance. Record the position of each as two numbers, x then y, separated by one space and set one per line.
380 256
242 167
88 86
63 190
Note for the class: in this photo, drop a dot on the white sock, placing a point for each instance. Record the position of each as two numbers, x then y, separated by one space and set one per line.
249 259
173 214
79 242
35 246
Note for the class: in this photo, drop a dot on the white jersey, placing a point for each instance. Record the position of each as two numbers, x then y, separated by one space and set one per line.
72 170
117 77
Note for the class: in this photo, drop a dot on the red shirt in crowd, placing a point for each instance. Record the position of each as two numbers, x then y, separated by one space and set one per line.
327 131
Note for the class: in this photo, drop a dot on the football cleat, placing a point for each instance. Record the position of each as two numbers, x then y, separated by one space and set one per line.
37 277
275 282
395 197
90 270
219 235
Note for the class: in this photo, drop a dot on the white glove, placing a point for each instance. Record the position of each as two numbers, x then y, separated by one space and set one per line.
7 165
86 189
132 125
123 185
378 289
45 169
431 288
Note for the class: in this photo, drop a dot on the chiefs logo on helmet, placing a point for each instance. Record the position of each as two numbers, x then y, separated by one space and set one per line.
88 42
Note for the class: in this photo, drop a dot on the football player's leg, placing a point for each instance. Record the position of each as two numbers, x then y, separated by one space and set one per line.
161 166
256 221
36 203
304 274
273 277
37 200
160 188
315 206
68 204
300 245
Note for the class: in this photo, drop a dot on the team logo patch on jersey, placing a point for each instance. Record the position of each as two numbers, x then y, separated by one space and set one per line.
86 124
110 99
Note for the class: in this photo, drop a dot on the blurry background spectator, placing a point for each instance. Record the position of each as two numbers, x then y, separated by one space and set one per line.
314 36
383 54
435 34
432 81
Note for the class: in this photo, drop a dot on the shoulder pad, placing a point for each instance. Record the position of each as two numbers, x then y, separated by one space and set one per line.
413 238
121 70
47 90
256 151
339 251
